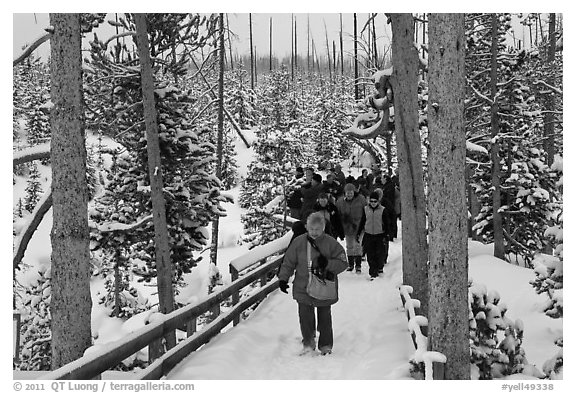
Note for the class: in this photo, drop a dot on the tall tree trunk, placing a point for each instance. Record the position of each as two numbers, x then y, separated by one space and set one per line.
220 139
356 92
549 103
230 43
341 48
328 52
495 154
161 242
448 326
295 45
308 47
251 54
405 84
334 57
374 41
292 47
71 304
270 44
423 43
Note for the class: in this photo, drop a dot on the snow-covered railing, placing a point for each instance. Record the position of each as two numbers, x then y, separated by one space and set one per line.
259 256
98 359
418 325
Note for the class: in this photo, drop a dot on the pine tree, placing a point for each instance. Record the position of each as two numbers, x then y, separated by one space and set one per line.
33 188
35 331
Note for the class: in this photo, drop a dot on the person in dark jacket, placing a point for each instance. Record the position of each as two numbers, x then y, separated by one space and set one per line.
375 227
294 199
390 193
310 195
332 187
350 208
329 257
330 213
339 175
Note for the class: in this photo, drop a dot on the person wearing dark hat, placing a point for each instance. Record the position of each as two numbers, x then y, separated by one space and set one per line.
332 187
375 226
340 176
294 200
330 213
310 195
350 210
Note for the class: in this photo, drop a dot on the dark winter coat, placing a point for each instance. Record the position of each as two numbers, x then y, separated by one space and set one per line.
351 213
333 224
295 262
334 189
295 199
309 197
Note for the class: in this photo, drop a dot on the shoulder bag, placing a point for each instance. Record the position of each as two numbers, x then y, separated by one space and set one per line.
319 288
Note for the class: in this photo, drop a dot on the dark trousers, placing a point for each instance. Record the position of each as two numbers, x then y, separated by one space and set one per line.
376 249
308 326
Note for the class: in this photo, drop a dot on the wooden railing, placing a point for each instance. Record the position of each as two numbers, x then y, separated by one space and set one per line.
418 325
92 364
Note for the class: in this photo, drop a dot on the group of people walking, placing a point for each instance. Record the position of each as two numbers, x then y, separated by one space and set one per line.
362 211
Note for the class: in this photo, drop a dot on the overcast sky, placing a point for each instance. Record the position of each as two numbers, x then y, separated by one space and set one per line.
28 27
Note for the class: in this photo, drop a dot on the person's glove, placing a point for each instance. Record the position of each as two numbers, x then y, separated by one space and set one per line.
322 262
283 286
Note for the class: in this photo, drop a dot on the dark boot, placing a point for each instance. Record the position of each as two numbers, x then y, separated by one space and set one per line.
350 264
358 261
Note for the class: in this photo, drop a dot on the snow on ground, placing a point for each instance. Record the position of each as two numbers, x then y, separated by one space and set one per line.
371 338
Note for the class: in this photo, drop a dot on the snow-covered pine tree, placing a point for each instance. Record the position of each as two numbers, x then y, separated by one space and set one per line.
33 188
191 191
493 356
240 99
35 333
528 193
229 175
550 276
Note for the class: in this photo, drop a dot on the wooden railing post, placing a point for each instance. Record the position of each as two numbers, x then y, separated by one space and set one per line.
235 294
263 279
191 327
155 350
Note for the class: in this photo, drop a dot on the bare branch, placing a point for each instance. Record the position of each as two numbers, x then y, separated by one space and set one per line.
28 51
21 242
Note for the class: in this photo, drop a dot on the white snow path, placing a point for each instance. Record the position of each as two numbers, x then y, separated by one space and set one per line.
371 338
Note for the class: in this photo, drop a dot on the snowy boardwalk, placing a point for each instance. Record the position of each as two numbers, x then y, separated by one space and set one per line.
371 339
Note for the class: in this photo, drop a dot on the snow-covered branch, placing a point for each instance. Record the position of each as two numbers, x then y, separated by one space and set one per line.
476 148
39 41
554 89
30 154
35 218
120 227
481 96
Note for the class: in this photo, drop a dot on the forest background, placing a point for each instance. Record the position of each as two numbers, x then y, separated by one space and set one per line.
567 122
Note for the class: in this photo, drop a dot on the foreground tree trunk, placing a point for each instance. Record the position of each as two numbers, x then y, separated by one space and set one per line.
495 148
550 104
405 85
161 243
71 304
448 330
219 146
